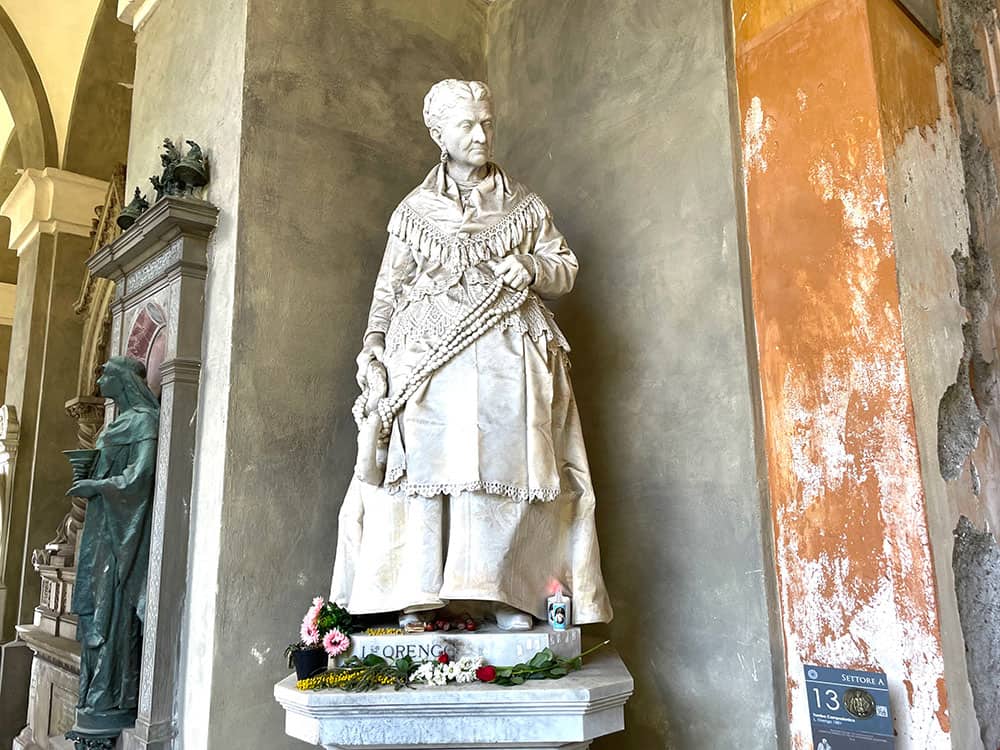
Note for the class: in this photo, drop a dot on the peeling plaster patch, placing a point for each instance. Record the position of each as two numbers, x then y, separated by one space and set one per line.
803 100
853 176
862 194
259 655
819 456
756 129
302 579
976 560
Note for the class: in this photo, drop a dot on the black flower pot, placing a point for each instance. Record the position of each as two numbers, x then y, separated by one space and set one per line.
310 662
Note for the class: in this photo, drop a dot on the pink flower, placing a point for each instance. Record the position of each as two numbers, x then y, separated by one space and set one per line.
335 643
309 631
309 634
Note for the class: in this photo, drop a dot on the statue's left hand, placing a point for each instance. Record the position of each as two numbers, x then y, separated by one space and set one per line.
517 271
86 488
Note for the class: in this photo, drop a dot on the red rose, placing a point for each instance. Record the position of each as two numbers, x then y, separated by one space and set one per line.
443 657
486 674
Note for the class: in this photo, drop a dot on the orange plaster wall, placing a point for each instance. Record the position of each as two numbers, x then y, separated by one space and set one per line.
853 560
752 17
905 60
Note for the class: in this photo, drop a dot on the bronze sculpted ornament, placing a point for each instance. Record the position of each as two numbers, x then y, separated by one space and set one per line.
110 595
472 482
181 174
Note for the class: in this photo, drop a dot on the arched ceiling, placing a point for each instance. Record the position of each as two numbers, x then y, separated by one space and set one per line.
55 33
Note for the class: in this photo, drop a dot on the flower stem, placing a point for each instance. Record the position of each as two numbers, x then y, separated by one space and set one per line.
592 649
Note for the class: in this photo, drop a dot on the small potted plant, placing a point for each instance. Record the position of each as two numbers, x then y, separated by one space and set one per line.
323 633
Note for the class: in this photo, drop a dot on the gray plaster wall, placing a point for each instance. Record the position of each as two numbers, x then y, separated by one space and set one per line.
617 112
5 334
930 225
189 84
332 139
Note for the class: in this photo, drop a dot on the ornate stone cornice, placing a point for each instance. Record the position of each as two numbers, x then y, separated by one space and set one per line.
136 12
166 221
51 200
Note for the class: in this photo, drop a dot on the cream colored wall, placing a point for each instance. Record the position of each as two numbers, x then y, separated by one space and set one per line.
6 124
55 33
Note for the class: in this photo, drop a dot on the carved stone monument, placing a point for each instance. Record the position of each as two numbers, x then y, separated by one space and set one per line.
158 268
143 296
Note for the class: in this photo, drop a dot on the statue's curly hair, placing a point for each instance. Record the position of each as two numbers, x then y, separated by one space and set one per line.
445 94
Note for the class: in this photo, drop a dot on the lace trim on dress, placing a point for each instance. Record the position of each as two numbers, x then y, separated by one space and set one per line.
394 486
456 252
429 319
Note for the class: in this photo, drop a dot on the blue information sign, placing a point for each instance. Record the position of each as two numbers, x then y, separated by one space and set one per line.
849 710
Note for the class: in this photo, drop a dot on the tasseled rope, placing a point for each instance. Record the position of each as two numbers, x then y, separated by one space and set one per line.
458 253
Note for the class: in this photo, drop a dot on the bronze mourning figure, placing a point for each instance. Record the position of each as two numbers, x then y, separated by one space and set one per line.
109 599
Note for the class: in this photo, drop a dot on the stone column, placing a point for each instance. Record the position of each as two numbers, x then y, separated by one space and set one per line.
854 210
51 214
159 268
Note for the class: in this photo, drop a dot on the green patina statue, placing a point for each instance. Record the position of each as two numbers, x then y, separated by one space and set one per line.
110 593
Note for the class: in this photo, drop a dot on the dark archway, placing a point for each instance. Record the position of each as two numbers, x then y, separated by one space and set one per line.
22 88
97 136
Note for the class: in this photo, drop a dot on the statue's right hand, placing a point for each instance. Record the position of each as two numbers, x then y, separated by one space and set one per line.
85 488
374 349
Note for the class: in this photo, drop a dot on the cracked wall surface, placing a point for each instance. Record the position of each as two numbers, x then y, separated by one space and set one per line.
969 416
977 573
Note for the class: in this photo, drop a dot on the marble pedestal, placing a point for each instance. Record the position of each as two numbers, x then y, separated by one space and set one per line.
567 714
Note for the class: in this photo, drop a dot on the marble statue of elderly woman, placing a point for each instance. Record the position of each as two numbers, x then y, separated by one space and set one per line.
110 592
486 494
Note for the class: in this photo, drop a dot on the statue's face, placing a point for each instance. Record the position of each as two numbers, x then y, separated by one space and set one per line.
109 383
467 133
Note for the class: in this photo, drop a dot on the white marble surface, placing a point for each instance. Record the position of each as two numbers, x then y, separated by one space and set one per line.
567 713
494 645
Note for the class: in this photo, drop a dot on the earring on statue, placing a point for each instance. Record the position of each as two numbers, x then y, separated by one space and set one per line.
444 155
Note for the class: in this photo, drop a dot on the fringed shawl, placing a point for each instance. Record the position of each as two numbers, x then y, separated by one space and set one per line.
460 250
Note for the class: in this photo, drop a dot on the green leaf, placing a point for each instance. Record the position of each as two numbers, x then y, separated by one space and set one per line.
541 657
557 672
536 676
517 680
374 660
504 671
